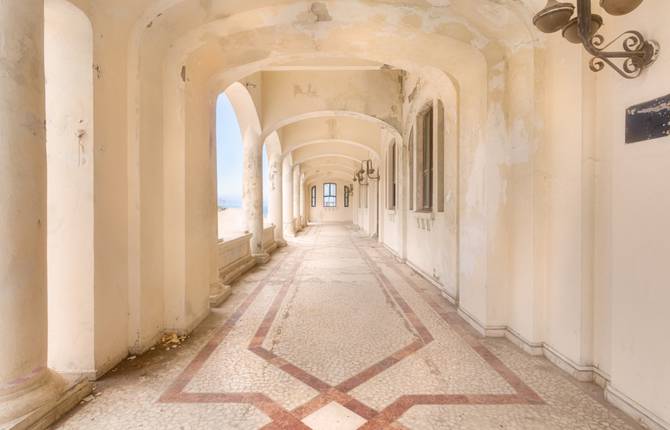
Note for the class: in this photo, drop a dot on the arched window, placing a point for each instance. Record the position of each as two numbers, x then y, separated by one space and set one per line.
439 162
410 151
329 195
425 160
313 195
391 177
347 192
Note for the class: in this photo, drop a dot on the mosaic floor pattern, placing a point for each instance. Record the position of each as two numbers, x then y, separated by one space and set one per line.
333 333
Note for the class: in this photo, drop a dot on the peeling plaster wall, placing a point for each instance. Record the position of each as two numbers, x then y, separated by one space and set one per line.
439 261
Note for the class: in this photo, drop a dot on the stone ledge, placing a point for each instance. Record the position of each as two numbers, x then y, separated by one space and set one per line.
47 414
219 292
233 271
261 258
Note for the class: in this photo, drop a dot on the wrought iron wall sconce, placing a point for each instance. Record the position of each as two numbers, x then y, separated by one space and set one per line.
636 53
366 173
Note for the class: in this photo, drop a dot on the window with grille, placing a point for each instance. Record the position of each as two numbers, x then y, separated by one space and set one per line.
313 196
411 170
329 195
425 160
347 192
391 177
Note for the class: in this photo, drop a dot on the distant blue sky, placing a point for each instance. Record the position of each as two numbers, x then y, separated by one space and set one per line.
229 157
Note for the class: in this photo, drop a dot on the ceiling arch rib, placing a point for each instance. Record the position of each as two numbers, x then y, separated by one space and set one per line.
329 114
370 95
318 178
331 129
332 155
333 161
335 145
329 172
348 169
321 149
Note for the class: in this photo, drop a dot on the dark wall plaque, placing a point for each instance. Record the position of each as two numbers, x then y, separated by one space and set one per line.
649 120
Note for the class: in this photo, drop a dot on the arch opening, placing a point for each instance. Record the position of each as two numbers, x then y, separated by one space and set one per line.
237 129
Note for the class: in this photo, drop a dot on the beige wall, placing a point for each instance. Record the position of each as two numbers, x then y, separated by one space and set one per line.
632 248
321 214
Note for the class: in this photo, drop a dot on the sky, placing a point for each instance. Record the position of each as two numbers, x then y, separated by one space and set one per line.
229 157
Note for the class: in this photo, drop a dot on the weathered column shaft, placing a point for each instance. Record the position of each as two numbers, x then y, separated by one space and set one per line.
373 207
25 382
253 191
296 195
276 191
287 198
303 216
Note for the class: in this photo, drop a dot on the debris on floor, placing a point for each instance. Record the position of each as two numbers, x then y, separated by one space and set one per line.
172 340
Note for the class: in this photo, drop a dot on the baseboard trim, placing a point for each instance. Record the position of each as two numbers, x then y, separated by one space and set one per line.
580 372
583 373
635 410
432 281
484 330
394 253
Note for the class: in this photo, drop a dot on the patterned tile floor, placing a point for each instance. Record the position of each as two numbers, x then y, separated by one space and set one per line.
333 333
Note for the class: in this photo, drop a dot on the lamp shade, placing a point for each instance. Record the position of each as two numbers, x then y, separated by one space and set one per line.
619 7
554 16
571 31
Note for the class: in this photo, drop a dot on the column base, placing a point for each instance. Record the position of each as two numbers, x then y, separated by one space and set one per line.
41 401
218 293
261 258
281 243
289 230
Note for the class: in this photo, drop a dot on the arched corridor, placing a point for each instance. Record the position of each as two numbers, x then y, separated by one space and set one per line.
334 214
335 333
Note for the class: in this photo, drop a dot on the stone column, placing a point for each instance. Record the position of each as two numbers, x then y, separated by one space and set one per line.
353 200
276 212
303 217
253 194
296 197
25 381
373 206
287 198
